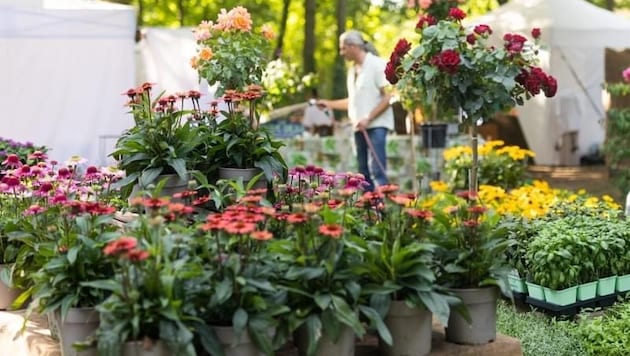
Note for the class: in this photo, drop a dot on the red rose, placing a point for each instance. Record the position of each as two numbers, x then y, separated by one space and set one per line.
550 87
427 20
456 13
402 47
390 73
483 29
448 61
514 43
470 38
535 32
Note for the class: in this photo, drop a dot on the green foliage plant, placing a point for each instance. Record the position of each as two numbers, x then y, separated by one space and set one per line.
606 333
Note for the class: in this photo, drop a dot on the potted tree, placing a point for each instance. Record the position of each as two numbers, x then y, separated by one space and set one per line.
232 58
456 67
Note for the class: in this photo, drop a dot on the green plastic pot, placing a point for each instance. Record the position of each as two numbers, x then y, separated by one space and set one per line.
517 284
606 286
623 283
535 291
587 291
561 297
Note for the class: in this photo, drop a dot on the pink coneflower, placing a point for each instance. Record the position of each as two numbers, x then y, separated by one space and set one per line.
239 227
419 213
297 218
387 188
34 209
121 245
137 255
477 209
12 161
471 223
331 230
263 235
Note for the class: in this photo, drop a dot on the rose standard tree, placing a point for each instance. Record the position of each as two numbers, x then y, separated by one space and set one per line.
456 67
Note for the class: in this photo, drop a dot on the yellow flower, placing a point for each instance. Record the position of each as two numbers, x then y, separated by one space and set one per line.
438 186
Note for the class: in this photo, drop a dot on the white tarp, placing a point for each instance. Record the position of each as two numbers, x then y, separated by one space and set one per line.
575 34
63 67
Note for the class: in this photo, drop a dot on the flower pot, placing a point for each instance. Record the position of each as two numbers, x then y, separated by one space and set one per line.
433 135
411 330
606 286
535 291
7 293
586 291
517 284
344 346
79 324
174 184
481 304
623 283
561 297
247 174
142 348
243 346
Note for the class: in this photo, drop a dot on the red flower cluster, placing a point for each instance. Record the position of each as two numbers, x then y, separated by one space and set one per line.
126 247
536 80
401 49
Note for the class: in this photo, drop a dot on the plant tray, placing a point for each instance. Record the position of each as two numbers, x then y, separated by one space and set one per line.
571 310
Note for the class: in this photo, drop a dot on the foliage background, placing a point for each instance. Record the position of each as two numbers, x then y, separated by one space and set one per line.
316 24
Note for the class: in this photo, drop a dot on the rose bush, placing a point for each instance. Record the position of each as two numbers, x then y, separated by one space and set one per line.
231 53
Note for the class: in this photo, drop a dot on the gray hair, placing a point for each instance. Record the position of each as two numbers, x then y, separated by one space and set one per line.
354 37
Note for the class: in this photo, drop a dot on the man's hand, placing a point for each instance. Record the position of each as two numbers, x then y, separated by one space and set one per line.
363 124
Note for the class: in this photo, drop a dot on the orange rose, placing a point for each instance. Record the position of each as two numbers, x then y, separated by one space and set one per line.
267 32
206 54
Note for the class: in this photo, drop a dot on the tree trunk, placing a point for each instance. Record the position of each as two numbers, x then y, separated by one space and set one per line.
339 71
277 53
308 52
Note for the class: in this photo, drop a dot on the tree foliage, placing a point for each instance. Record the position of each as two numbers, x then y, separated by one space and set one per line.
381 21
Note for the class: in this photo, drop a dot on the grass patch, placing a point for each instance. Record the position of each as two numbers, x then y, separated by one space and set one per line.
539 334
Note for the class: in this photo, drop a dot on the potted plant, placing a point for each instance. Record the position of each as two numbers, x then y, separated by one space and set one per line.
455 67
74 258
471 261
232 54
237 301
166 139
243 147
397 271
315 249
148 306
232 57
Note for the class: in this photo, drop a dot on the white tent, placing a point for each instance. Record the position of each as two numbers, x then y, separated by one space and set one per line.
63 67
575 34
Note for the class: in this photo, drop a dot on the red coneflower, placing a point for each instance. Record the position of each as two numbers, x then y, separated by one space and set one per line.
239 227
331 230
122 244
297 218
263 235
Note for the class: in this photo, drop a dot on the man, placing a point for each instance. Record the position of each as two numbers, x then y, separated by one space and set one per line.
367 105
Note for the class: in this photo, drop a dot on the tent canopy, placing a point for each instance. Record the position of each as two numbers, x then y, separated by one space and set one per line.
64 65
575 34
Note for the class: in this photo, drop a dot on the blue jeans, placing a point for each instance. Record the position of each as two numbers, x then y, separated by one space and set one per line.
378 137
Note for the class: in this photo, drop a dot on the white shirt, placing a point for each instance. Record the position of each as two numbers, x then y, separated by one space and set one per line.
364 92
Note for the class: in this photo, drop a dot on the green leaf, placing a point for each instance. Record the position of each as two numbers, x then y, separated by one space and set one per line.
346 315
377 321
72 254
